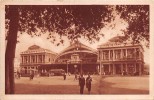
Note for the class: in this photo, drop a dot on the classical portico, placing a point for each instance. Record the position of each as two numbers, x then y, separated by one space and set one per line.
116 58
35 56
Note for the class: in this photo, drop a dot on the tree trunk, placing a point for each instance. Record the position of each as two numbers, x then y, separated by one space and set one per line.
10 49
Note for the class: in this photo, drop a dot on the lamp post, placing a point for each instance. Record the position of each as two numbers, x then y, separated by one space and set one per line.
81 71
67 65
75 68
100 68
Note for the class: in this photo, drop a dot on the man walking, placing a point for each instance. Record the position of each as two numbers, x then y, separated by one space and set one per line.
31 76
88 83
64 76
76 77
81 83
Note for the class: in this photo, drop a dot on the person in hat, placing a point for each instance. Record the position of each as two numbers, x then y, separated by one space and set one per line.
81 83
88 83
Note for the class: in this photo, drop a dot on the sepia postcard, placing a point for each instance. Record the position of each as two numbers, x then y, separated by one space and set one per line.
76 50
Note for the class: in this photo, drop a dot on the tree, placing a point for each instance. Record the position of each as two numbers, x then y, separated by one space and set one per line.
10 49
137 17
73 21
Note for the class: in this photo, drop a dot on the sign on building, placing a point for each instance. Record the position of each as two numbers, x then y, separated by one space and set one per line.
75 58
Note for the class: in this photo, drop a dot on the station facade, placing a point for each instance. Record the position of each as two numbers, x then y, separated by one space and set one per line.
35 57
121 58
78 58
109 59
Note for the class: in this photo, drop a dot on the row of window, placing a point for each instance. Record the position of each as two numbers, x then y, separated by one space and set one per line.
121 54
34 59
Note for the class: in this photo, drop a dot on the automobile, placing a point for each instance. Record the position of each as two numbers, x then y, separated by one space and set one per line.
44 74
56 72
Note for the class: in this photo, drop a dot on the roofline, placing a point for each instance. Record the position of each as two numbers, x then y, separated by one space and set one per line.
94 50
123 46
77 51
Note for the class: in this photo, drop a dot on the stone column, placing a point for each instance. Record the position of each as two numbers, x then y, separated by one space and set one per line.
109 67
135 53
140 54
126 53
139 68
121 56
38 58
100 59
30 58
35 58
24 60
135 67
121 65
102 55
42 59
114 70
109 55
102 69
113 55
126 68
21 59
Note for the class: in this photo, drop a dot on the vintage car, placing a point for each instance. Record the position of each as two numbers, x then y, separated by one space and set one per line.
56 72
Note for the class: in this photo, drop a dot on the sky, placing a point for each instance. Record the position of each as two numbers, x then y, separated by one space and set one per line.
26 40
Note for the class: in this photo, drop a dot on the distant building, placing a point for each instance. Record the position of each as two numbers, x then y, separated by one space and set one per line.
78 58
34 57
113 57
116 57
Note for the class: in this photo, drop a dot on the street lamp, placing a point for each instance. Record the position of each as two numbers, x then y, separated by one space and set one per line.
81 71
100 62
67 66
75 69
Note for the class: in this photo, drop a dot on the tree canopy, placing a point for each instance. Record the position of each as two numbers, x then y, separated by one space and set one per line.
137 17
75 21
72 21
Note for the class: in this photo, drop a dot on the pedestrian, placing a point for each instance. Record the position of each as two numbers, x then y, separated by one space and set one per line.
64 76
123 73
31 76
18 74
81 83
76 77
88 83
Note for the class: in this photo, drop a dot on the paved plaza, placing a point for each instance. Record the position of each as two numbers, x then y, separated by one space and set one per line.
100 85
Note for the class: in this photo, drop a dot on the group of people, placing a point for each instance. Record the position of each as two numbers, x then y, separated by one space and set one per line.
83 82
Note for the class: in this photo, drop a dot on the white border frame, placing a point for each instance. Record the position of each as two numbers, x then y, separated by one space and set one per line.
73 2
